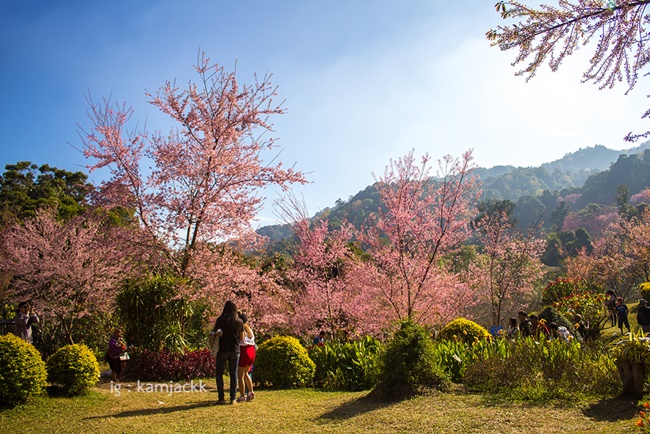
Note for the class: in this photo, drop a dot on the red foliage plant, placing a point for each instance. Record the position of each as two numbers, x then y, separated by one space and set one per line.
146 365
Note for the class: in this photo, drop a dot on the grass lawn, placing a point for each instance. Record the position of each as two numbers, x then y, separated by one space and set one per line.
133 410
308 411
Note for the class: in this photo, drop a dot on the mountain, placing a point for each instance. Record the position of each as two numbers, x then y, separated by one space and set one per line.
593 159
593 172
570 171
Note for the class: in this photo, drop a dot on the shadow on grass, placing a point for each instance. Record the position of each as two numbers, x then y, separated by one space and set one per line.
356 407
612 409
605 410
57 392
154 411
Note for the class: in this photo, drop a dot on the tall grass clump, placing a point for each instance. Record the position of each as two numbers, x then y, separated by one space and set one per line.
453 356
541 370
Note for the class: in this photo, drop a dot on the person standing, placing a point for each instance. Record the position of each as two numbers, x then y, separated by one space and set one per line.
116 348
610 304
622 311
246 360
24 319
232 328
643 316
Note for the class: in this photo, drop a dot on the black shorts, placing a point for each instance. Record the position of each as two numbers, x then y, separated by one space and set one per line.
116 364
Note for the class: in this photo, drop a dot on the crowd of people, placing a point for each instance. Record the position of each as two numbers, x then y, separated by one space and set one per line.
618 314
532 325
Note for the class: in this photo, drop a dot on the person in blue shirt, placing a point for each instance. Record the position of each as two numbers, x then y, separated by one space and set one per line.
320 339
621 311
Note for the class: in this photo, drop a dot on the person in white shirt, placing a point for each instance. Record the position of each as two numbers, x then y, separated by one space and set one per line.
24 319
246 359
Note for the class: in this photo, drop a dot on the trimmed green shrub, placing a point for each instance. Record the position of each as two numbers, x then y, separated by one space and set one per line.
645 290
73 369
22 371
464 330
282 362
409 365
349 365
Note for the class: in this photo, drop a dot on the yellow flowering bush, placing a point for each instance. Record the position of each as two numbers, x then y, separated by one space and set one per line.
464 330
22 371
73 368
282 362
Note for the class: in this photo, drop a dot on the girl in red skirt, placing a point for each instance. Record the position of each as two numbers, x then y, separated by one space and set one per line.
246 359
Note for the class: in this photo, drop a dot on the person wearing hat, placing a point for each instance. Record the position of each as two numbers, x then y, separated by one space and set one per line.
643 316
24 319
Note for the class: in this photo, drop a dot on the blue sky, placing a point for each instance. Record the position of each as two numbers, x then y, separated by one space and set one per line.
364 81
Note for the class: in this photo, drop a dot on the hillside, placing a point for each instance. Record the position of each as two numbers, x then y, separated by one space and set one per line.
592 174
570 171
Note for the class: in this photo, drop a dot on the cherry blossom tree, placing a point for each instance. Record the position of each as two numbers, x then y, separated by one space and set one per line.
202 190
421 219
326 299
637 243
67 269
641 197
324 296
616 30
223 273
205 174
619 260
594 221
504 273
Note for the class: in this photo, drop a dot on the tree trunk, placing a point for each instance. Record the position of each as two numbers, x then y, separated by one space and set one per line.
633 376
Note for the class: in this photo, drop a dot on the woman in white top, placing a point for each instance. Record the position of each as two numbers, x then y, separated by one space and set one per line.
246 359
513 329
